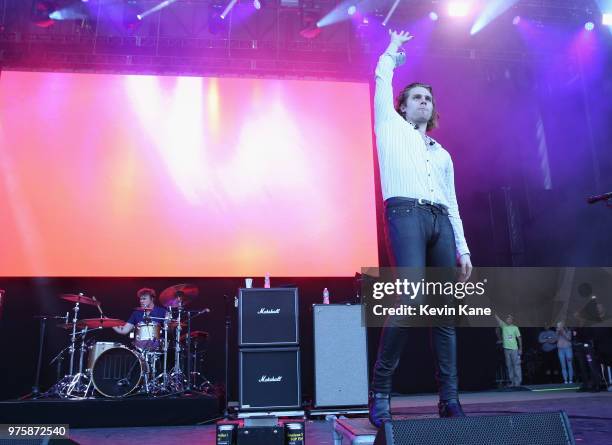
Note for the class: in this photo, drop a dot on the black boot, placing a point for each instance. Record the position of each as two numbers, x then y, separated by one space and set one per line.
379 405
452 408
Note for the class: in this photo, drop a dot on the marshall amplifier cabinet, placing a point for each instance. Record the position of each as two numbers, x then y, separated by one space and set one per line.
270 378
268 317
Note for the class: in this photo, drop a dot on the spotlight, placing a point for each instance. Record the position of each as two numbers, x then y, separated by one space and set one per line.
390 13
351 10
516 20
589 26
458 9
257 4
132 16
433 16
606 19
155 8
42 11
228 8
216 24
310 26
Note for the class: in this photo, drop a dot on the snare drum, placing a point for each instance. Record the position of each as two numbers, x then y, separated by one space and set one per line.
98 348
118 371
147 335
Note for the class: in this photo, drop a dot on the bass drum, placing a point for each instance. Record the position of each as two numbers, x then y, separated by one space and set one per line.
117 372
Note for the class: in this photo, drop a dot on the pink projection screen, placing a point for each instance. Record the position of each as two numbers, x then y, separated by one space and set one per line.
123 175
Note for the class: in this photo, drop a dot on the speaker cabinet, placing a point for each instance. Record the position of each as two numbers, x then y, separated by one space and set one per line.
551 428
341 356
270 378
268 317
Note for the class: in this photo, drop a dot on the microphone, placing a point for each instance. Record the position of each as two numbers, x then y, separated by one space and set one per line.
597 198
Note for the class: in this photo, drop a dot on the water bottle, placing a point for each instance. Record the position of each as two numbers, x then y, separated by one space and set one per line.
267 281
325 296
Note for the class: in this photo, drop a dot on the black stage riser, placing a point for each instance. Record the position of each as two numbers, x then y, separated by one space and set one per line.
96 413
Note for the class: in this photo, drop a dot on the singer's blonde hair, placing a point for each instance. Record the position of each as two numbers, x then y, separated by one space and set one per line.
403 95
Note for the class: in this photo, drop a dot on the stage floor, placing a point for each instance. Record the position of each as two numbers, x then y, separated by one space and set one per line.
590 415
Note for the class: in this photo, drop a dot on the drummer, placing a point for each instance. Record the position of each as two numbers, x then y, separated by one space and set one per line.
147 313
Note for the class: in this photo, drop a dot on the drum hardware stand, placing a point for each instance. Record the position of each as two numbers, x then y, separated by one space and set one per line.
192 373
78 385
177 376
195 374
66 385
43 325
73 336
164 375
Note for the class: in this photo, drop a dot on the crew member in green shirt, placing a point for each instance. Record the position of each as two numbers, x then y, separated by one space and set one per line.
513 349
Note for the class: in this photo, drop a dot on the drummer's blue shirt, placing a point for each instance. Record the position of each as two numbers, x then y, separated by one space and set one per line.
137 316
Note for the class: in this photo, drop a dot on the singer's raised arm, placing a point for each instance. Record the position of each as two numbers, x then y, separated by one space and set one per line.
383 95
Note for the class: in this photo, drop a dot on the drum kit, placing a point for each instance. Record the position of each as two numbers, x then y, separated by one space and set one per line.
116 370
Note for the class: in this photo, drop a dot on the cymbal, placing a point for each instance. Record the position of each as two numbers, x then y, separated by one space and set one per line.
93 323
196 335
178 295
76 298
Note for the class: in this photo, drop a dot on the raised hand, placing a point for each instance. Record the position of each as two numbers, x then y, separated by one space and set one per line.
399 38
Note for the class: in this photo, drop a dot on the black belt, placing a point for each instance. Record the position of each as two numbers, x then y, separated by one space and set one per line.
425 203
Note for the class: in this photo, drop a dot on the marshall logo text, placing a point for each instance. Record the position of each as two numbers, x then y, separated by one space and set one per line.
266 379
268 311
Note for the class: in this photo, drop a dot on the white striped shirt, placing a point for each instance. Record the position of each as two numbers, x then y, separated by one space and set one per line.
409 167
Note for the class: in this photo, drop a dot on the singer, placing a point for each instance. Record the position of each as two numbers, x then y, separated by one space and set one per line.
147 309
423 226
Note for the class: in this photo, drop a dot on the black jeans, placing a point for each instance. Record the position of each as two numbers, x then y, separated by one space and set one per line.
419 235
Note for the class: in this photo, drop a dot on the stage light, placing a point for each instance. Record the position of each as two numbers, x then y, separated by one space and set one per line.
492 10
390 13
606 19
228 8
458 9
351 10
433 16
257 4
155 8
589 26
41 12
310 25
216 24
516 20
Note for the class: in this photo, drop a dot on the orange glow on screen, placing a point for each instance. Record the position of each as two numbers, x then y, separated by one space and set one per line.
115 175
